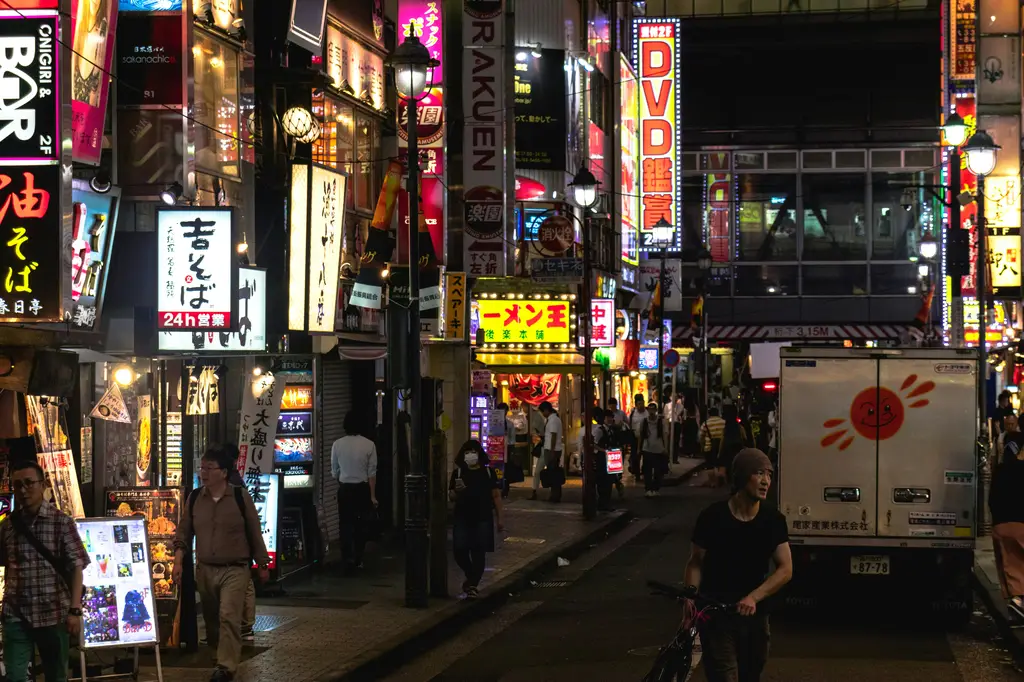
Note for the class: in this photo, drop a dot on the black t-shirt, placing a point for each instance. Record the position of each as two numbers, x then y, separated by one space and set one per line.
476 501
737 552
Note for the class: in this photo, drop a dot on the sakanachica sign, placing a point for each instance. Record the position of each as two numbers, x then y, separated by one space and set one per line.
656 59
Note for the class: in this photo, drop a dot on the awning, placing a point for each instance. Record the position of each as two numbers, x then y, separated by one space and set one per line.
527 363
803 332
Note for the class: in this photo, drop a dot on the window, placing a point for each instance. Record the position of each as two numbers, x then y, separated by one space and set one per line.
834 220
767 280
216 106
894 279
894 227
835 280
335 148
767 217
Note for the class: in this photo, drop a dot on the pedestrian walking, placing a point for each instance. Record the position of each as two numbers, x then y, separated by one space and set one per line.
354 465
654 445
223 520
690 436
476 491
1007 507
551 455
711 442
44 558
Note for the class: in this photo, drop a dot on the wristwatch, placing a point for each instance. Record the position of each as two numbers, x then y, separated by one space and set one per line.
75 612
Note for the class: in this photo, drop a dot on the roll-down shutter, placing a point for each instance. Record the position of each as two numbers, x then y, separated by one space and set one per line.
336 400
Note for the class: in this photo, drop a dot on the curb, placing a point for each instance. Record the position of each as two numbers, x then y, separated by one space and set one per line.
1009 636
683 478
418 639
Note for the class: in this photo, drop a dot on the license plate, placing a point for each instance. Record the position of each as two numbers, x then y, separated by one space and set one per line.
869 565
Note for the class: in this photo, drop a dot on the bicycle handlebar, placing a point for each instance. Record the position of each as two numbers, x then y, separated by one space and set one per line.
688 592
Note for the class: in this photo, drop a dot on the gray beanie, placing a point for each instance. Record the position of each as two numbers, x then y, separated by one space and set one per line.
748 462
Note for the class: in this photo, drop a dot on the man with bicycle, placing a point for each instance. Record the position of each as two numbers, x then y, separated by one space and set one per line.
732 544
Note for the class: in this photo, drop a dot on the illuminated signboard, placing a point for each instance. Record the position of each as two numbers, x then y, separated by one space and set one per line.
967 108
526 323
265 490
656 59
629 169
251 336
30 98
602 321
197 281
295 424
1004 261
297 397
648 359
93 25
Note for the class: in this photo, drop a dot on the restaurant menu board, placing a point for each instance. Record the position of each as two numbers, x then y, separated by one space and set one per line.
117 597
265 491
161 509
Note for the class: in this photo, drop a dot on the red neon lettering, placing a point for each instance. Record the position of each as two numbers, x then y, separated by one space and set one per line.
657 103
656 59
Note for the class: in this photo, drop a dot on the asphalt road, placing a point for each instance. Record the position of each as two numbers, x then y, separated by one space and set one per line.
595 620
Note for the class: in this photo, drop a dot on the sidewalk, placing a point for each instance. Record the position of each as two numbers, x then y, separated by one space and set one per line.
986 584
333 628
678 473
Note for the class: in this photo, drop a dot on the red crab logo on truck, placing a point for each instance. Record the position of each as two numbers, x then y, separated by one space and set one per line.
876 413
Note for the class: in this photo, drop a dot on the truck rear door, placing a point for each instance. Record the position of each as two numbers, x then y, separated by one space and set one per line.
926 447
829 452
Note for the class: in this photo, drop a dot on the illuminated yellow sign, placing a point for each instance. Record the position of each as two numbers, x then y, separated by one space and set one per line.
530 322
1002 201
1003 260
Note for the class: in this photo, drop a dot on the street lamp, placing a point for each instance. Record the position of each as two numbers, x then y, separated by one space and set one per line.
661 235
928 247
981 153
412 64
584 193
954 131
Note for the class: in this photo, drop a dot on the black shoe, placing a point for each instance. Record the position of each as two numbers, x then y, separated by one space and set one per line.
247 633
221 675
533 495
472 592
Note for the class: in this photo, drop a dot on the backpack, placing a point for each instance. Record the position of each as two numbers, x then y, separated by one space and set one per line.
239 500
605 439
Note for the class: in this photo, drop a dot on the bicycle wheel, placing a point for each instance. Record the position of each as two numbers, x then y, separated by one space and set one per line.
665 667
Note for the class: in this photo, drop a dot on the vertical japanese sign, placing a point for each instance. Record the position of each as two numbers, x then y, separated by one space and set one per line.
455 306
629 169
366 292
1004 263
484 155
317 229
718 209
93 27
35 270
602 323
656 58
257 426
197 278
962 42
540 109
423 19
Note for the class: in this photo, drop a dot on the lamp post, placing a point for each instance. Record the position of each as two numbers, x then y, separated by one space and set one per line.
704 265
584 193
981 153
954 133
928 248
411 62
662 236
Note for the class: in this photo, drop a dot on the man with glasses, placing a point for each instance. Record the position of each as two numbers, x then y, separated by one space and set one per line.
44 558
226 526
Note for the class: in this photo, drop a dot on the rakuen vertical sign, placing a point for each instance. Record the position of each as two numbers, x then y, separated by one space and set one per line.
656 59
484 158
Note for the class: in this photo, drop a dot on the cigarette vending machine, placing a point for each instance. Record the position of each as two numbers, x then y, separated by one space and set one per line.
479 408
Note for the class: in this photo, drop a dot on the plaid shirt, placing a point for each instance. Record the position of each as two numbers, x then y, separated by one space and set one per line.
34 592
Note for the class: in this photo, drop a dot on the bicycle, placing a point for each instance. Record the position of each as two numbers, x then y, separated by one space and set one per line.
675 659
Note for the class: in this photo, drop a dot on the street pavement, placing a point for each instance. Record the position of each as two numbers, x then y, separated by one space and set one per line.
330 626
595 619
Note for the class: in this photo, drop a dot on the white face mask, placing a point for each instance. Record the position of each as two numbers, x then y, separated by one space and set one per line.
471 459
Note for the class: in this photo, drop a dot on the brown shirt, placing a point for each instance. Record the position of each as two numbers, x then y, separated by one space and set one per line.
220 530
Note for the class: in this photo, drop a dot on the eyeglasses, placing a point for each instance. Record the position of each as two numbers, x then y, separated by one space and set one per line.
208 469
25 484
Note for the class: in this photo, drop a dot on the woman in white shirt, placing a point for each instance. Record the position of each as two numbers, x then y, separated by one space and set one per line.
653 441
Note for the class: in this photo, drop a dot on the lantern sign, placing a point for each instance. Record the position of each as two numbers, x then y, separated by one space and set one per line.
1004 262
555 236
198 274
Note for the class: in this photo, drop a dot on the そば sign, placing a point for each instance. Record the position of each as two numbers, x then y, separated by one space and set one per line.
656 59
198 273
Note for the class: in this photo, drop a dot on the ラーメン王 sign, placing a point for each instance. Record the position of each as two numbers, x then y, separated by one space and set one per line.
198 272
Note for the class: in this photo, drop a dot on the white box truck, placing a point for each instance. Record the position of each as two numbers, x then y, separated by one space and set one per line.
878 476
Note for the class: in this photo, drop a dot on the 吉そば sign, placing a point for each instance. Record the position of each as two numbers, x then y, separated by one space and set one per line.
198 272
251 336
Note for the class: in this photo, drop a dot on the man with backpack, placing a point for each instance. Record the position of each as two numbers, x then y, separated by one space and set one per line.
228 536
44 558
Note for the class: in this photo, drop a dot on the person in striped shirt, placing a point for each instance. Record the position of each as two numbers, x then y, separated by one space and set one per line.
711 439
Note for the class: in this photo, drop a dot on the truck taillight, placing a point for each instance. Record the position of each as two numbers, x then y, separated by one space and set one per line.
770 386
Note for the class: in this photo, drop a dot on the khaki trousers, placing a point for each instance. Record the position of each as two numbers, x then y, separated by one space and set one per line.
222 590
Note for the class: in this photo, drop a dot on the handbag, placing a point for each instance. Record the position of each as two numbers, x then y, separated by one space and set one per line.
552 477
514 473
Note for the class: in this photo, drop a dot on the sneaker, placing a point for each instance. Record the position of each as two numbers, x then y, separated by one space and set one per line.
649 493
472 592
221 675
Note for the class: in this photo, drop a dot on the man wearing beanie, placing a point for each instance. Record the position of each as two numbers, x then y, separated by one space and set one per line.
732 544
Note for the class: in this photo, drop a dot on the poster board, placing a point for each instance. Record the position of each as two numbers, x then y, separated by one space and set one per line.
265 490
161 508
117 597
